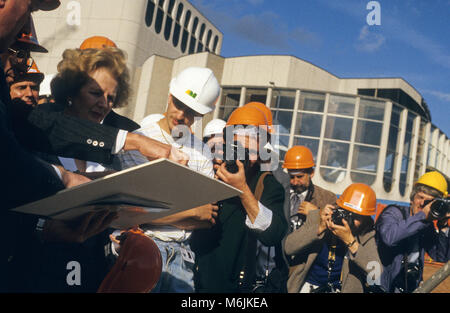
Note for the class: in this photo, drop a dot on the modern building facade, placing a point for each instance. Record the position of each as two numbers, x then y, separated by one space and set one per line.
372 130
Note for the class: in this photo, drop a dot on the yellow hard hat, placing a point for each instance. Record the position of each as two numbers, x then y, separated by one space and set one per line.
434 180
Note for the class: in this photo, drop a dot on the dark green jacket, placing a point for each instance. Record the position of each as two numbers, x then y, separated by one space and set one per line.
220 251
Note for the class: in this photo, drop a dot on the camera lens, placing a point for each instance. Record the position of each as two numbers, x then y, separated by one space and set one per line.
231 167
439 208
337 217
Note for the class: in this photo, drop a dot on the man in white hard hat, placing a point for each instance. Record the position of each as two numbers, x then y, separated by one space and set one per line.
213 137
192 94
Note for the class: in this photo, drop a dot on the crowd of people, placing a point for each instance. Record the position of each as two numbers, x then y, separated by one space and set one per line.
282 233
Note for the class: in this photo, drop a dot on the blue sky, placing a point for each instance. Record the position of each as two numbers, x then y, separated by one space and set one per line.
412 42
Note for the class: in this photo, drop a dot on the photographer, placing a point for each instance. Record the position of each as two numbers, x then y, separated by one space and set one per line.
226 253
304 195
336 246
405 233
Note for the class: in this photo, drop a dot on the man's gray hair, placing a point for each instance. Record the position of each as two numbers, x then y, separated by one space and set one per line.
425 189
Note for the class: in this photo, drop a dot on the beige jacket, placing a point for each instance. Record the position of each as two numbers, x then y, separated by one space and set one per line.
357 270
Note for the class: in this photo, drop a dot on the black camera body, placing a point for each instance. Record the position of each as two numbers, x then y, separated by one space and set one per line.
237 154
341 214
439 208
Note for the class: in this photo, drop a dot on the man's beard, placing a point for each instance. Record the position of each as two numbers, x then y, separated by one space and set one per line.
299 188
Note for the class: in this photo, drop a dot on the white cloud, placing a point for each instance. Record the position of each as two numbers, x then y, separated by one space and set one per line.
438 94
369 41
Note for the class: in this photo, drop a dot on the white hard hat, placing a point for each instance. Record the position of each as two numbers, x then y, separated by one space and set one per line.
196 87
214 127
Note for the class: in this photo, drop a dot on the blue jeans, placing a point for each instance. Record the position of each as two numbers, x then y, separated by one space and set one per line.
177 273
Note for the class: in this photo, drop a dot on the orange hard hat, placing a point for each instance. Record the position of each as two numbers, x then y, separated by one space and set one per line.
97 42
138 267
298 157
33 71
247 115
358 198
265 110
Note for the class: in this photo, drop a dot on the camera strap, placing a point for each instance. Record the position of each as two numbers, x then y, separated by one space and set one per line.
248 272
331 262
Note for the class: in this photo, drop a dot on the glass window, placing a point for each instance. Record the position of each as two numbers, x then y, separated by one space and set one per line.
159 17
193 42
283 119
308 124
149 13
367 179
335 154
310 101
256 95
410 122
369 132
390 158
389 163
407 144
225 112
170 8
332 175
216 42
312 144
208 39
371 109
232 99
367 92
392 141
403 174
179 12
341 105
185 35
200 38
283 142
395 117
339 128
283 99
229 102
177 27
169 20
365 158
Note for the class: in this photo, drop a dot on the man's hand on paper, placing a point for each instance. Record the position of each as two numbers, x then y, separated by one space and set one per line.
178 156
153 149
207 212
70 179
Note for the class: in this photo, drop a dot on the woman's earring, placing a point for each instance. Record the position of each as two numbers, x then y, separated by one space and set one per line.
69 102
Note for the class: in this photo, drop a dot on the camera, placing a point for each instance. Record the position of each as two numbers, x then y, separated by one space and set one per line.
340 214
408 277
238 153
439 208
